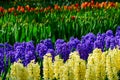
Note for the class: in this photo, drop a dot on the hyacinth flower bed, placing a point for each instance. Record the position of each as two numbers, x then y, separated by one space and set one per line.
17 24
99 66
26 51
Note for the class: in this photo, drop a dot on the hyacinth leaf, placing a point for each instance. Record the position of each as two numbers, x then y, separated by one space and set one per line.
7 70
2 76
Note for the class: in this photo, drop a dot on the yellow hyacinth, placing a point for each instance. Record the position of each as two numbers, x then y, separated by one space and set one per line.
112 63
103 65
34 70
71 63
18 71
90 73
48 67
79 67
64 72
109 68
96 66
76 66
57 64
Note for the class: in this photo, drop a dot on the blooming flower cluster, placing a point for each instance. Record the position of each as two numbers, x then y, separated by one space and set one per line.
99 66
19 72
26 51
76 7
92 4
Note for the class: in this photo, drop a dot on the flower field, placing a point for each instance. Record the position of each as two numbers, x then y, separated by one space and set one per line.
72 40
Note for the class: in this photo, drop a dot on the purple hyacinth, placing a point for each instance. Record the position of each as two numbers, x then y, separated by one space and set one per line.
20 51
99 44
28 57
59 41
103 35
83 39
112 43
10 57
82 49
41 49
29 47
89 46
107 42
48 43
24 51
90 36
8 47
109 33
29 52
5 50
52 52
63 50
117 41
117 31
1 58
72 44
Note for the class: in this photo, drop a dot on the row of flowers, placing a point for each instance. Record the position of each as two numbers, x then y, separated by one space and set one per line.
100 66
76 6
26 51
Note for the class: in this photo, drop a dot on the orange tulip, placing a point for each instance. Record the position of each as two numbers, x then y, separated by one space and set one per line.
27 7
22 9
18 8
97 5
56 7
69 8
65 7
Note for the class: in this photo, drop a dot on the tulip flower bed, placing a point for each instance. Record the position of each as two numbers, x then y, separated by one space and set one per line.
17 24
76 6
26 51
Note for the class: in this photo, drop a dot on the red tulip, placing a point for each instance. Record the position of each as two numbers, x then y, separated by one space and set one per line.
32 9
18 8
73 17
76 5
49 7
1 9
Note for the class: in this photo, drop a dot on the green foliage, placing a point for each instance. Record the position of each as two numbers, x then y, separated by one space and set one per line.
57 24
